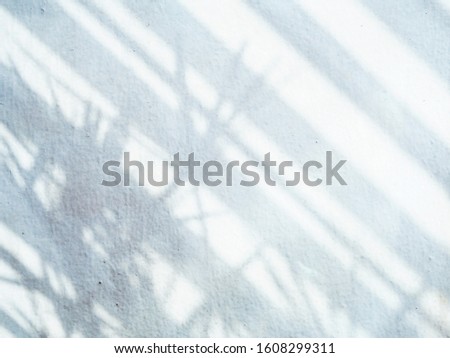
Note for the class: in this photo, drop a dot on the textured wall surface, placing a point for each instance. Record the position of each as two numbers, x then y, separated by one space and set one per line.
81 82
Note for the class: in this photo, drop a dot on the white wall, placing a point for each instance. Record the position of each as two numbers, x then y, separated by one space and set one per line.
82 82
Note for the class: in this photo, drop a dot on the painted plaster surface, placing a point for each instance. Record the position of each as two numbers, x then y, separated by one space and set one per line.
82 82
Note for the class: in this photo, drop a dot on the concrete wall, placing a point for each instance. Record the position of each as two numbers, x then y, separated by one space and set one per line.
81 82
